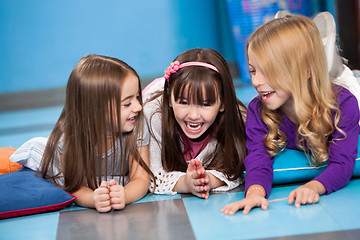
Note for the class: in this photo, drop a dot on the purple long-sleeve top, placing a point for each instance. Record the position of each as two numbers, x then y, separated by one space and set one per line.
342 153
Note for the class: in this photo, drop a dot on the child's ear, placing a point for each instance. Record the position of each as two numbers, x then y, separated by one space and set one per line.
222 108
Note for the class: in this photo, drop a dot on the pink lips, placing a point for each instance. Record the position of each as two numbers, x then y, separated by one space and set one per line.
131 120
267 96
192 130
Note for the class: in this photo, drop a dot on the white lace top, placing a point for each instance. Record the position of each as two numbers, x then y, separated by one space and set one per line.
165 181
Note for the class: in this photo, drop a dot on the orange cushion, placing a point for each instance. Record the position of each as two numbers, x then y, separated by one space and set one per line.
7 166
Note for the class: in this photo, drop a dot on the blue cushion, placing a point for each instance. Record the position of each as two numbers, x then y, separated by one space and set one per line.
293 166
23 193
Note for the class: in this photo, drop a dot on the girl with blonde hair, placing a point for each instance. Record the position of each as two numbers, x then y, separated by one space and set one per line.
298 107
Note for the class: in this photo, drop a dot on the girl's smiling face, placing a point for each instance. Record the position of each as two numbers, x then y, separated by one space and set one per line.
130 105
195 119
272 98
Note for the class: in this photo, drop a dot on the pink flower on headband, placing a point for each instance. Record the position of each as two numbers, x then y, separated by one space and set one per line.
173 68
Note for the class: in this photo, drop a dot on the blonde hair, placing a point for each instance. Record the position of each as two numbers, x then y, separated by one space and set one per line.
290 53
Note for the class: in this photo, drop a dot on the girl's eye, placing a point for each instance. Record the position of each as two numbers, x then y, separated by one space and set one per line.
183 102
252 73
205 104
127 104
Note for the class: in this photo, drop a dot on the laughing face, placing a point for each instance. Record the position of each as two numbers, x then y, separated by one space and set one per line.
130 105
272 98
195 119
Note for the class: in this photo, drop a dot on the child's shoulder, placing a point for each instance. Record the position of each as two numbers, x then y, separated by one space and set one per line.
344 95
255 104
152 106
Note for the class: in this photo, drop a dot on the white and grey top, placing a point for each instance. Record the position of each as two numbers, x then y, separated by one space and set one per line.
31 152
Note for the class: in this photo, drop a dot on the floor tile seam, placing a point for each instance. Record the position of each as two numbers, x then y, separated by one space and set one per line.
188 217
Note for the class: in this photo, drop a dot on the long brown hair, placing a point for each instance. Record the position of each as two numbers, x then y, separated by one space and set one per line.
229 127
290 53
93 92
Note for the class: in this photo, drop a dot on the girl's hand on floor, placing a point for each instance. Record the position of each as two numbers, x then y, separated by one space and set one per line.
306 194
117 195
101 198
253 199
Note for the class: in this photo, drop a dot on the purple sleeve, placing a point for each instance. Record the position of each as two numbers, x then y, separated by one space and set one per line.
342 152
258 163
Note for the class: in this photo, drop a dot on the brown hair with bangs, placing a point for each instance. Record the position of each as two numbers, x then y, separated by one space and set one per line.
199 83
90 117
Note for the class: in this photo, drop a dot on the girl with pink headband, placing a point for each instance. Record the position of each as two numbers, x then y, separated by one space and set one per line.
196 127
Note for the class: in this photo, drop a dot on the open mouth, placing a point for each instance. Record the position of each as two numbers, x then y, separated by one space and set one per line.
131 119
193 126
267 95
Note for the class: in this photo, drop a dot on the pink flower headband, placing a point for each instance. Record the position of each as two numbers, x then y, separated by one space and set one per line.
175 66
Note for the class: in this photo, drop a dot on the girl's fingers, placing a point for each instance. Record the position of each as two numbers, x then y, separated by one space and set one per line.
201 182
197 164
200 189
101 191
201 173
112 183
231 208
103 209
298 199
291 197
116 188
247 209
305 197
317 198
192 165
264 204
103 184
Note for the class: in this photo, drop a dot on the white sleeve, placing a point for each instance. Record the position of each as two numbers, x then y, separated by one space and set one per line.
30 153
165 181
228 184
210 148
144 136
153 87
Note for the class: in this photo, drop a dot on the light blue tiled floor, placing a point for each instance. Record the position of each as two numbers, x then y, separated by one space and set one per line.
336 212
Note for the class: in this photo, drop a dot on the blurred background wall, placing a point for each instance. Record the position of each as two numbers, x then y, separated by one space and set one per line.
42 40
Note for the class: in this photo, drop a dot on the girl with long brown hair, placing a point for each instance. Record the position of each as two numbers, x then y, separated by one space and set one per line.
197 132
93 151
298 107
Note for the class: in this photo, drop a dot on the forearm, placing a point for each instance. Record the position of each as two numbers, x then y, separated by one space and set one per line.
136 189
215 182
85 197
181 186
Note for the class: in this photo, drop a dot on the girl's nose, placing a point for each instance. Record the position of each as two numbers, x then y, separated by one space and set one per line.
256 81
137 107
194 112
